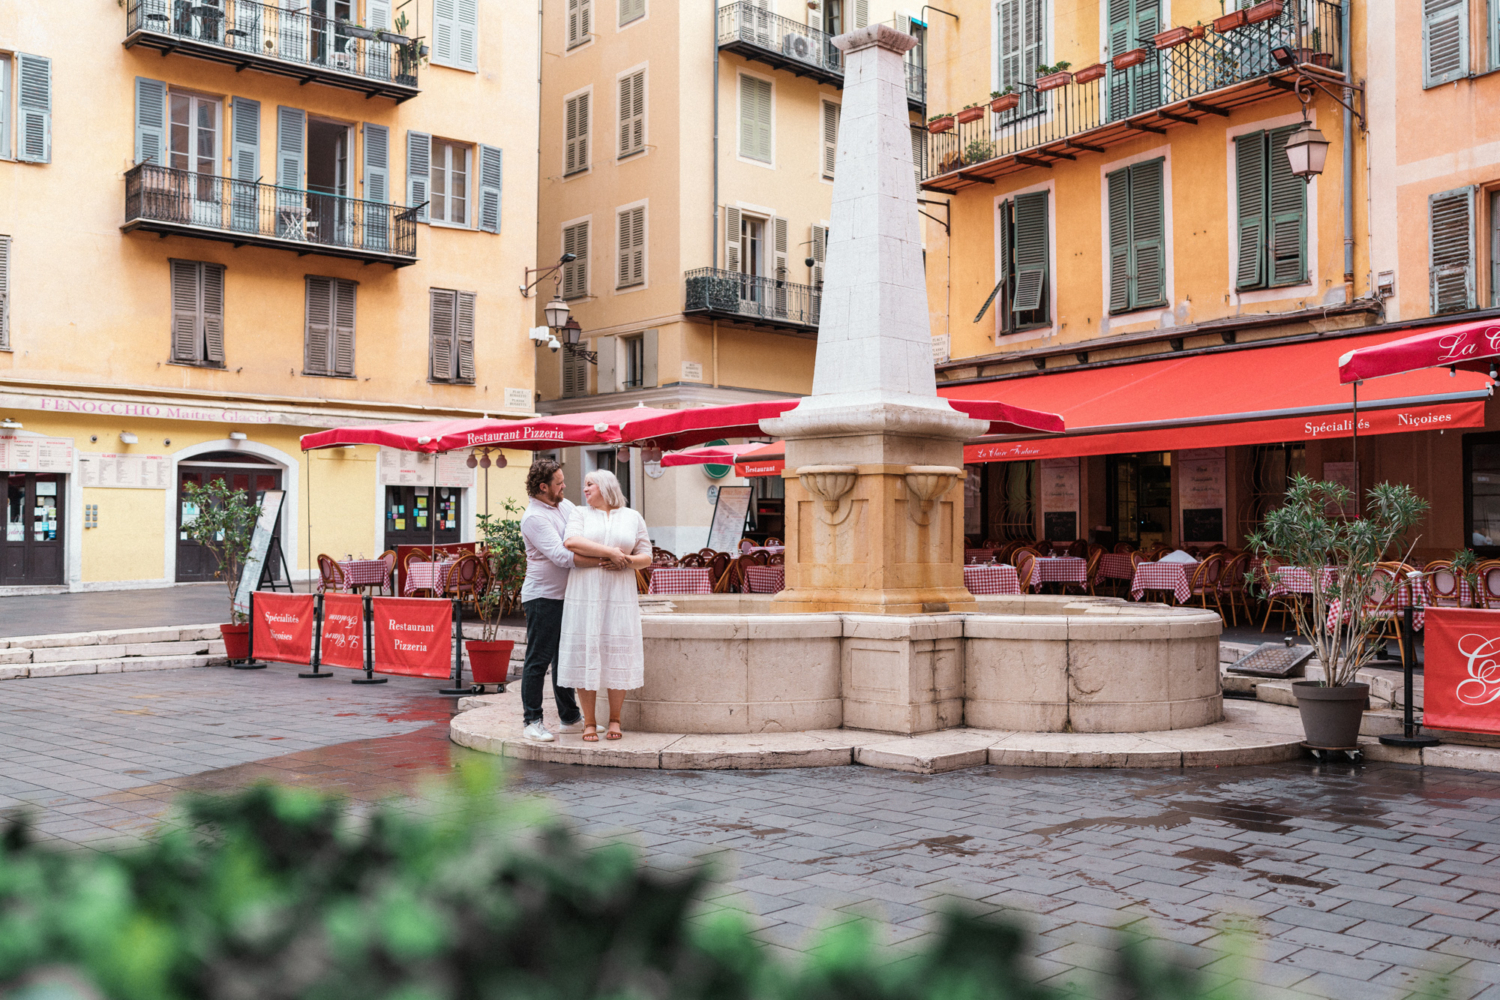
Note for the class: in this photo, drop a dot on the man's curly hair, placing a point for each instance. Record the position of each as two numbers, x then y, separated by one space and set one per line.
542 471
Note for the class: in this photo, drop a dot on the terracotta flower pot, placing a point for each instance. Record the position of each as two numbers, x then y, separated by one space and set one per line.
1324 59
1125 60
1089 73
489 662
1227 23
1331 715
942 124
1171 37
970 115
1054 80
1264 11
1198 32
236 641
1004 103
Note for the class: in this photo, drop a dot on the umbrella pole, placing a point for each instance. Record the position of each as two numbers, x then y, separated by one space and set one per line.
310 586
1356 447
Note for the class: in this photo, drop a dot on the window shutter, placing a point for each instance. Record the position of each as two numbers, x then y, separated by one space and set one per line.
731 238
246 141
650 375
186 311
1119 240
755 118
418 171
631 10
377 151
1008 13
575 282
1030 251
575 375
919 153
608 351
632 113
1119 43
830 136
815 14
151 122
1147 246
580 21
576 133
319 328
466 35
463 328
1287 194
34 102
443 28
343 327
1250 196
212 284
1451 232
378 14
819 253
632 247
4 293
440 332
490 159
291 126
861 13
6 100
1033 45
1445 41
780 248
1007 270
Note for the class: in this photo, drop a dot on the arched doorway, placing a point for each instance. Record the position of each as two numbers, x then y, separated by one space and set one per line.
242 471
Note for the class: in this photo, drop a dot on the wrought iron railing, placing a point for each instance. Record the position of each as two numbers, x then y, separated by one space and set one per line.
916 83
749 24
1167 76
265 30
347 226
712 289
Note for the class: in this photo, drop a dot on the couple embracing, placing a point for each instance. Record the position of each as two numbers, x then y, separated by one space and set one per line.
580 600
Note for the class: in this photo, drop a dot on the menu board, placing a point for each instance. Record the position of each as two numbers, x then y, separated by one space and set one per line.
415 468
35 454
129 472
1059 499
260 545
1201 493
731 508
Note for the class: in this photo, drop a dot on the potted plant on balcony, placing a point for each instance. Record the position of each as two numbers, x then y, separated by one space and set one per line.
940 122
1052 77
1172 37
1266 10
970 113
1228 22
1125 60
978 150
1005 100
1303 533
505 556
1090 73
394 38
351 30
1313 52
222 520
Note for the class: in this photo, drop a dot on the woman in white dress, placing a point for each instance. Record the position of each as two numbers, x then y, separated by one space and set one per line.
601 623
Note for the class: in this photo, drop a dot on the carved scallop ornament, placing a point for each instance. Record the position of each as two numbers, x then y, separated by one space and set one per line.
926 483
830 484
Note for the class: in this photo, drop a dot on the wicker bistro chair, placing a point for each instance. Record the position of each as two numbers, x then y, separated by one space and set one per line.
719 571
1440 581
775 559
1386 582
412 558
1488 572
1206 579
1286 603
467 580
330 575
1096 562
773 540
1123 548
1232 587
389 558
692 559
661 557
1025 566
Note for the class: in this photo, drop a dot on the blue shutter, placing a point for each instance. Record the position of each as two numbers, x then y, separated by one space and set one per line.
489 188
150 122
444 27
418 171
466 35
291 127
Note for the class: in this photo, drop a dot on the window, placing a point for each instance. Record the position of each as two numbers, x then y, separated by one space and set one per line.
575 374
635 362
1132 24
455 31
632 113
193 140
1137 247
580 21
4 293
576 133
830 137
575 273
631 10
1272 236
1451 250
632 264
755 118
197 312
1024 263
1022 39
451 333
34 108
450 182
1482 494
1445 41
328 345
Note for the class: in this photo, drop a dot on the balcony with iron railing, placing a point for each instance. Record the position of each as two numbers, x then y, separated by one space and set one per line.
250 35
779 42
183 203
753 299
1180 85
916 86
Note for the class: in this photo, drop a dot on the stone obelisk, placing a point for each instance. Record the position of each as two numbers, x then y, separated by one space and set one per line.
874 458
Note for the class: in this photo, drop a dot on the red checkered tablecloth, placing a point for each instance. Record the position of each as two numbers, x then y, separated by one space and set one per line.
1059 569
992 580
427 576
1116 566
365 573
680 580
1173 576
765 579
1297 580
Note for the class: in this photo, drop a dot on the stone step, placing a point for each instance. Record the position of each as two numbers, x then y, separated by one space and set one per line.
111 637
66 668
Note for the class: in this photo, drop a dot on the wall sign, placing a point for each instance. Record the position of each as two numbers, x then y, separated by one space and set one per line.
518 399
260 545
1060 499
126 472
35 454
731 510
416 468
1201 494
692 371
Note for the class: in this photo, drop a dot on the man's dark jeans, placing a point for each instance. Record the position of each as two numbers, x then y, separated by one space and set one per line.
543 629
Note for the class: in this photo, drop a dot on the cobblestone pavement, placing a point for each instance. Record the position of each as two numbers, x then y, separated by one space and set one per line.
1293 880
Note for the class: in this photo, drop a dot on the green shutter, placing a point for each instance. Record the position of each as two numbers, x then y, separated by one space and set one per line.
1146 24
1031 251
418 171
1288 214
1119 42
1250 188
755 119
1148 247
1119 240
150 122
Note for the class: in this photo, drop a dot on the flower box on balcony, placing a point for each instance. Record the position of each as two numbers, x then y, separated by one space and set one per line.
1227 23
1089 73
1172 37
1054 80
1264 11
1125 60
1004 103
942 124
1324 59
970 115
356 31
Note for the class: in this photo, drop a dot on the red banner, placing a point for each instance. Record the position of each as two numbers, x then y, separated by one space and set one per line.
1461 677
282 627
413 635
344 631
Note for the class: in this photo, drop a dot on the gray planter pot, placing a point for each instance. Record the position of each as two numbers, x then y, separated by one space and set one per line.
1331 715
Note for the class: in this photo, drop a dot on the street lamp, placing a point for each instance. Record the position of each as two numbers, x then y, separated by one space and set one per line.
1306 150
557 313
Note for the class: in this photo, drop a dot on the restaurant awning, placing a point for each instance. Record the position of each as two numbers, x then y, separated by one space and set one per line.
1470 346
1253 395
765 460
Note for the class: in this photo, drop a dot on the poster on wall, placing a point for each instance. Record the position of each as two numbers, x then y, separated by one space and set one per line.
1059 499
1201 494
260 544
731 509
416 468
126 472
35 454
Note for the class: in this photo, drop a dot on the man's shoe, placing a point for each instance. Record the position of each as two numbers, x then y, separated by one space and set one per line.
571 727
538 733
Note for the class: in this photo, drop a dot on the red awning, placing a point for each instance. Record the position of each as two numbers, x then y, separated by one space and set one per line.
1471 346
536 434
673 429
765 460
1287 392
715 454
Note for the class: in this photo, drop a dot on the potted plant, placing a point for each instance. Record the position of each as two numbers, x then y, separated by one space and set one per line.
970 113
940 123
1228 22
1466 568
1308 531
979 150
352 30
1091 73
1198 31
1266 10
505 555
1125 60
1171 37
1005 100
222 520
1052 77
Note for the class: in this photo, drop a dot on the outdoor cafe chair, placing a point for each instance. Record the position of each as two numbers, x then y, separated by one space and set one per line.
661 557
1488 572
1285 602
389 558
721 571
1091 575
412 558
1205 581
330 575
1025 565
1440 580
773 540
1232 586
1382 605
1123 548
467 579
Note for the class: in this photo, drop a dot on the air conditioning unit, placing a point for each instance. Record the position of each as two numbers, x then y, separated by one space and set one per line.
798 47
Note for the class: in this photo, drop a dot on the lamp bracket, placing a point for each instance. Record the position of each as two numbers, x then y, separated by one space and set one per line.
1304 95
592 357
541 273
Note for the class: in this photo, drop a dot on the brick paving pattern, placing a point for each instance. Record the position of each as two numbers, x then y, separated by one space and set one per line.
1292 880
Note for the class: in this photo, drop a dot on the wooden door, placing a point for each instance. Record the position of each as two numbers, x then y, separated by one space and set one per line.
195 563
31 551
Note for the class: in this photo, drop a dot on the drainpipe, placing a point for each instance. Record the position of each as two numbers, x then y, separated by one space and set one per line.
1346 15
713 215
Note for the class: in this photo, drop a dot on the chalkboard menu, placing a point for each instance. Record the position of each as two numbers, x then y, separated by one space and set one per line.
1204 524
1060 525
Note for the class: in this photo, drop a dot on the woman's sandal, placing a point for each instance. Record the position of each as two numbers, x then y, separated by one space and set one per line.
591 734
613 734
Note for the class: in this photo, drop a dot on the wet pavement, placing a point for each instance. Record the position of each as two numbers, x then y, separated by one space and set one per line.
95 611
1289 880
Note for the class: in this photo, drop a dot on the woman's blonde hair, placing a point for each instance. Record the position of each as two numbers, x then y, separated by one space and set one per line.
609 487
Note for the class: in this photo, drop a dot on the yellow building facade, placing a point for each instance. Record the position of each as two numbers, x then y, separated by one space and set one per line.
228 224
687 162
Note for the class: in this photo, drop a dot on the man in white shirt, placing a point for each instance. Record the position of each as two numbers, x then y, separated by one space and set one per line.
547 566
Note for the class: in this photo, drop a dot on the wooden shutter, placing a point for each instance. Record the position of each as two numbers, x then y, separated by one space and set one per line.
918 153
6 100
34 102
575 375
463 335
819 253
317 346
490 173
187 311
1030 251
151 122
466 35
1119 43
1445 41
731 238
576 133
755 118
780 248
4 293
1008 42
861 13
212 285
609 361
575 283
1451 236
1119 240
580 21
1033 47
632 113
1250 194
245 154
1148 246
291 127
830 136
631 10
632 247
1287 202
343 327
444 27
418 172
440 321
378 14
650 350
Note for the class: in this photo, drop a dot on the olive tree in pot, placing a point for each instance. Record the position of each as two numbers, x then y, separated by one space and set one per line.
505 556
1309 532
223 521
